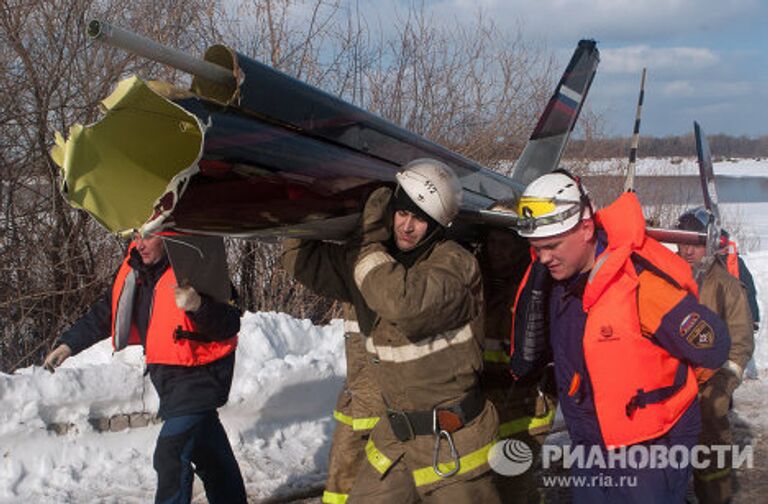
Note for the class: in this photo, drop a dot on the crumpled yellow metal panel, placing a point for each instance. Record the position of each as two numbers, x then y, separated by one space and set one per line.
118 167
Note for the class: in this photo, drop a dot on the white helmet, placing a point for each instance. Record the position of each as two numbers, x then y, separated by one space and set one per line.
433 187
552 204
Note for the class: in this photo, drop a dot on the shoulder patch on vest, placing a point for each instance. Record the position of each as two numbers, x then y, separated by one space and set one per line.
701 335
688 322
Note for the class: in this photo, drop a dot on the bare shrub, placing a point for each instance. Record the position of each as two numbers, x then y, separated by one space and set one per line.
471 87
55 260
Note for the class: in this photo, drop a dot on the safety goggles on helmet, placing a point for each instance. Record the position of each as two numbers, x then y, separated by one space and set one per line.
552 204
534 212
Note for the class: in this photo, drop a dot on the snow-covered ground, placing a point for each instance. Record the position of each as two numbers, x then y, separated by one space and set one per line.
287 375
278 418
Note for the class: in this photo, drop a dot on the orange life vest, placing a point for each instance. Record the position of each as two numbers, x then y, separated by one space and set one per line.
623 364
732 258
162 347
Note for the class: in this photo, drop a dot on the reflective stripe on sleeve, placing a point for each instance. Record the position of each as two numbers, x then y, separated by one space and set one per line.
351 326
477 458
369 263
413 351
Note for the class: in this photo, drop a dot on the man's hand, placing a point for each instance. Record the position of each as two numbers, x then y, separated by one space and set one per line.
376 225
187 298
56 357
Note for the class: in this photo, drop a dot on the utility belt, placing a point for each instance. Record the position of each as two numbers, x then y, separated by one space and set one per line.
440 421
406 425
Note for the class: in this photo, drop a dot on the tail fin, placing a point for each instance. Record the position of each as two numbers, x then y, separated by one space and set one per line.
545 147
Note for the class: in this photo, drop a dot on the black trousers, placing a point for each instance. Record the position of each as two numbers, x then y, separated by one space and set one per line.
196 444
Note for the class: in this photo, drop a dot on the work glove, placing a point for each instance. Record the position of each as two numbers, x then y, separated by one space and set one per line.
187 298
56 357
376 220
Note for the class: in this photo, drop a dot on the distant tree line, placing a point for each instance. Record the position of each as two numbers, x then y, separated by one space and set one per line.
722 146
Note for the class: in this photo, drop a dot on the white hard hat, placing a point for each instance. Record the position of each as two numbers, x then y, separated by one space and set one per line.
433 187
552 204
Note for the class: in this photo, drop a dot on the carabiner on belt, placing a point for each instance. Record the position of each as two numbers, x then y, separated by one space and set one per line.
440 433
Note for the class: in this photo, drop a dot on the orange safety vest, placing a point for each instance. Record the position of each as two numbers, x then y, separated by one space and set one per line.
732 258
621 362
162 347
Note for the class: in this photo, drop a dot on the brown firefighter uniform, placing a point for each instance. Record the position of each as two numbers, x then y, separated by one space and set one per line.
359 405
526 407
425 346
726 296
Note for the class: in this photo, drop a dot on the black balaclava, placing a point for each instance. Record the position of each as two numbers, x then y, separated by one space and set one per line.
401 201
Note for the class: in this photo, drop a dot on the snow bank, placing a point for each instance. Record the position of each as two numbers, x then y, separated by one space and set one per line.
287 376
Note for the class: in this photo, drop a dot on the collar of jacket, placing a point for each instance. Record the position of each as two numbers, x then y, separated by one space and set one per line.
413 256
148 272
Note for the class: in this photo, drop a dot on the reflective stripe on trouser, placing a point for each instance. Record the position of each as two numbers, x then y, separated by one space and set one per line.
347 449
354 417
713 485
334 498
496 356
197 440
347 454
530 424
357 424
494 352
426 475
372 486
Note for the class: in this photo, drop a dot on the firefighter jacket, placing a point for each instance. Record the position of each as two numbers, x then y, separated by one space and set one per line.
726 296
427 346
626 334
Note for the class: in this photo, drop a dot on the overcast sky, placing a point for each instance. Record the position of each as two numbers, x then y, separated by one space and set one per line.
706 59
